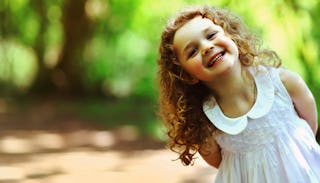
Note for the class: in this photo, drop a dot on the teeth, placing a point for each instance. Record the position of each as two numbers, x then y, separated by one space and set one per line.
214 59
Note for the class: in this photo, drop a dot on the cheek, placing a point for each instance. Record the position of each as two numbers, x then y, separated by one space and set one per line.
231 45
193 67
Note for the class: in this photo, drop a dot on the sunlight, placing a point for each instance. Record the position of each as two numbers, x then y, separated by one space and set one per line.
18 64
120 87
96 8
51 57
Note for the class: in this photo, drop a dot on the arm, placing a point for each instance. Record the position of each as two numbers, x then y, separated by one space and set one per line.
211 153
302 97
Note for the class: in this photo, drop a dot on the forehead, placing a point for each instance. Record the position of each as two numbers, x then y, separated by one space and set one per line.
191 29
196 23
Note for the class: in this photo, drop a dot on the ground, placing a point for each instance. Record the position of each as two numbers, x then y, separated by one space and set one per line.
38 145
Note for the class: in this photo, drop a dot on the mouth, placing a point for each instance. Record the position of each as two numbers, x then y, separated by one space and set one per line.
215 58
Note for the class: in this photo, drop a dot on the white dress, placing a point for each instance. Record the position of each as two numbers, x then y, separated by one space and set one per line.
270 143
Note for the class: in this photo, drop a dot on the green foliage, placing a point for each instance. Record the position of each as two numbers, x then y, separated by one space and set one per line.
16 62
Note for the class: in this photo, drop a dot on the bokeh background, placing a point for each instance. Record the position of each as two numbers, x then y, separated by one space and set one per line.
78 89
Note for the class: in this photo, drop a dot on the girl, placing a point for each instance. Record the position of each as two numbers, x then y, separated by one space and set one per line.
224 97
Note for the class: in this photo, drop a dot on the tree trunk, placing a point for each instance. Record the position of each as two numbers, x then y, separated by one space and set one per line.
77 29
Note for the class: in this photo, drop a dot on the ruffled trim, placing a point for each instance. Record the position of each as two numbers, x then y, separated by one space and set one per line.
262 105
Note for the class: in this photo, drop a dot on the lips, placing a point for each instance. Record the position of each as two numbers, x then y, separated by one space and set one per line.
216 57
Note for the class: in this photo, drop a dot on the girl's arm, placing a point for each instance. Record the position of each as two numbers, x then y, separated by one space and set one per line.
302 98
211 153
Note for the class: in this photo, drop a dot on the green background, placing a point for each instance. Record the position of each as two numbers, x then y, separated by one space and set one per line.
96 59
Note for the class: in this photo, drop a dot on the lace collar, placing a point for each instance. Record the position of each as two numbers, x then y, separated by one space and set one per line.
262 105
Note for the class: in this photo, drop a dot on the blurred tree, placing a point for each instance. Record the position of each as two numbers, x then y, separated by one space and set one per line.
42 83
77 30
93 47
110 47
66 76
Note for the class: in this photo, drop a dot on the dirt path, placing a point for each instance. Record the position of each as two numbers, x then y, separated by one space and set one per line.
86 166
39 144
23 162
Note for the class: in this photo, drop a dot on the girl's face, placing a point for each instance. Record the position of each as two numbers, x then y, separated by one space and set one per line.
204 50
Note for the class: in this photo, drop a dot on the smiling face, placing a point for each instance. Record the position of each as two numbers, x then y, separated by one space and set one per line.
204 50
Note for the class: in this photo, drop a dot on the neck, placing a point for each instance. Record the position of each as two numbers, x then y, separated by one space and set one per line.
232 86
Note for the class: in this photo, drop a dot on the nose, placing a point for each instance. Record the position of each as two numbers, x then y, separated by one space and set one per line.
207 49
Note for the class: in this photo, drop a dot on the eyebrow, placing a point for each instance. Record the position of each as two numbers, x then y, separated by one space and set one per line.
206 30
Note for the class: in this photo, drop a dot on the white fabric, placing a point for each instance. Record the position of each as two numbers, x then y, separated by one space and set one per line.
260 108
269 144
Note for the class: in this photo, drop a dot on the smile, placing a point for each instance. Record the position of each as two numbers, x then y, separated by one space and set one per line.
215 58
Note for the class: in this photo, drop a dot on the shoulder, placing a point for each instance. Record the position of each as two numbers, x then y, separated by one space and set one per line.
291 80
297 89
302 97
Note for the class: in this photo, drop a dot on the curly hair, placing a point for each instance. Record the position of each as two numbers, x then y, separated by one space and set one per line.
180 99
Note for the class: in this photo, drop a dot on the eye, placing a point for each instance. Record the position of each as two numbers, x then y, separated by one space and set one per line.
192 52
211 35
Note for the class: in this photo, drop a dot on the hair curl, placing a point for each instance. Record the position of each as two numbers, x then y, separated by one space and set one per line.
180 99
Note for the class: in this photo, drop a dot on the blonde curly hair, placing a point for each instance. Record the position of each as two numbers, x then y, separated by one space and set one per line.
180 99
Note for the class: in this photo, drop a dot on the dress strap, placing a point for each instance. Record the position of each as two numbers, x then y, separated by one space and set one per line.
280 89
